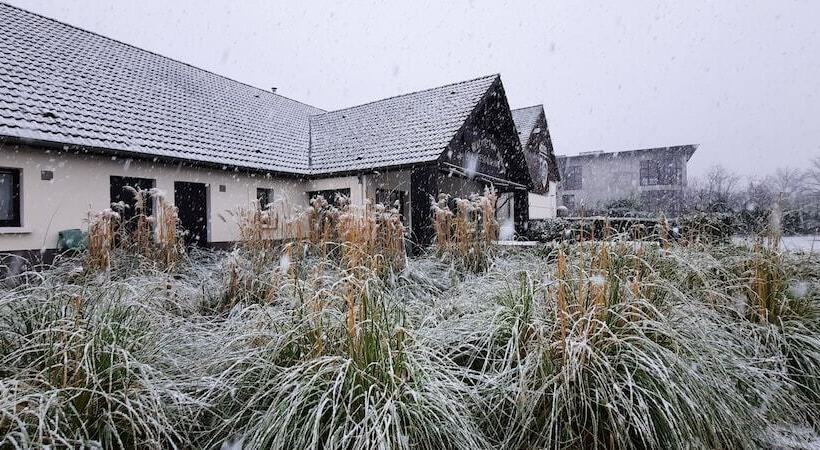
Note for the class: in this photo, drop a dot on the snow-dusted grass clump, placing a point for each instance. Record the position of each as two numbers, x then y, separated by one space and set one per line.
591 345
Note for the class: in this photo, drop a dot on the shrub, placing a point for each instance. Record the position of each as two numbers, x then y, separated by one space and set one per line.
708 227
547 230
359 380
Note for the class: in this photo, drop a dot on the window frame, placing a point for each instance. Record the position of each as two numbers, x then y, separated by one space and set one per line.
670 172
267 193
17 220
661 172
650 172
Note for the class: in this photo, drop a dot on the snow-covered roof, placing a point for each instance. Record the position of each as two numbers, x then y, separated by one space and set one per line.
686 150
63 85
405 129
525 120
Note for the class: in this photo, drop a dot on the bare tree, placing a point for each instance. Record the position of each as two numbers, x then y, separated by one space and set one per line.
790 183
813 178
716 191
788 187
812 196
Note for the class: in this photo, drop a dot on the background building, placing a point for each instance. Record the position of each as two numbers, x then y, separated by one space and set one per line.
651 180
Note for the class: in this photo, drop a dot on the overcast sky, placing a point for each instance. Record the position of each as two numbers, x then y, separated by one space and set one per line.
740 78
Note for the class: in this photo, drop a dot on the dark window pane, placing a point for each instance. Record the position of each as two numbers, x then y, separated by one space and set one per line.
331 195
121 191
265 197
392 199
568 200
9 197
6 196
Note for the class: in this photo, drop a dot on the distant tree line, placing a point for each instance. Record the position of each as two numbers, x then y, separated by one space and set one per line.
750 201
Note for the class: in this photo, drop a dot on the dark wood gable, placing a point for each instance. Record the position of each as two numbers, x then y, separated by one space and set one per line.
487 143
541 156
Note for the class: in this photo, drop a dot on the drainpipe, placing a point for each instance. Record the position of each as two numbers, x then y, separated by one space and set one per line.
362 192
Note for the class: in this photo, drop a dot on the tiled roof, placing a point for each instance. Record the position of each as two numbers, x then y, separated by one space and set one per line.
62 84
65 85
525 120
406 129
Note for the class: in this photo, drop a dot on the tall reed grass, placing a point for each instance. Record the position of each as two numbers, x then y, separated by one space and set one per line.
326 341
466 233
155 237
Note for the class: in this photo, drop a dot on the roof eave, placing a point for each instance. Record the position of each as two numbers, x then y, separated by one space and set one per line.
74 148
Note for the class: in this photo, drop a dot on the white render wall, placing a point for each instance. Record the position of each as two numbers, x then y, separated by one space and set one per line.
363 188
356 184
543 206
81 184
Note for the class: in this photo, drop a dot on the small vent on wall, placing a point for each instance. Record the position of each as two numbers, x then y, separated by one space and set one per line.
46 175
222 188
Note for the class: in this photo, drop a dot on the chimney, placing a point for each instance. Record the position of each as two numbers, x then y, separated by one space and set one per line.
273 89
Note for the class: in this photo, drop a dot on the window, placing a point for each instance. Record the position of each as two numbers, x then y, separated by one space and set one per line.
9 197
264 196
392 199
120 190
329 194
573 178
568 200
670 171
649 172
661 172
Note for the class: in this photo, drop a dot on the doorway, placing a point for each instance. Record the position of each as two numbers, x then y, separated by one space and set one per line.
191 200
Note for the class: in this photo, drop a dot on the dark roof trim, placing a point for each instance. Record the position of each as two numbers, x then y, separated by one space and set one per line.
688 150
369 171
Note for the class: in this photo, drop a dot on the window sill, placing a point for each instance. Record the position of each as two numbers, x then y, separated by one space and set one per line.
15 230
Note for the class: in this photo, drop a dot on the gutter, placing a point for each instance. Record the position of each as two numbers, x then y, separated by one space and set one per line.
490 178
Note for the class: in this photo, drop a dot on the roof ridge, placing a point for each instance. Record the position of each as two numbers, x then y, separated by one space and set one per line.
108 38
406 94
604 152
528 107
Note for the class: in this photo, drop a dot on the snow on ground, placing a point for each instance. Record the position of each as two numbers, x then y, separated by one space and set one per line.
792 437
807 243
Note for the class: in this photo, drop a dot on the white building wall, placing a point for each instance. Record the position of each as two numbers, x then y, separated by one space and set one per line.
363 187
81 184
356 184
544 206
